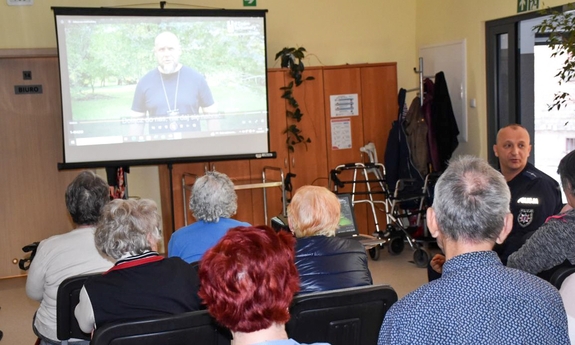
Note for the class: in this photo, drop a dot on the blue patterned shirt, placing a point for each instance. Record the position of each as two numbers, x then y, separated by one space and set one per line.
478 301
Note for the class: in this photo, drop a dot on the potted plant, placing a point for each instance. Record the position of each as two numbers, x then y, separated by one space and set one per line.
291 58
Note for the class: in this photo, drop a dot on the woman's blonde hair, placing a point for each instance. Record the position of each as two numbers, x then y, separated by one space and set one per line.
314 211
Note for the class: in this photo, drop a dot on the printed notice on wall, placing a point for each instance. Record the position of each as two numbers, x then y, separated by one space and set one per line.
344 105
340 134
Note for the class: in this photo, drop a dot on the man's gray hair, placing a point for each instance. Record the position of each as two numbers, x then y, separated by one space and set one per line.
213 197
125 226
471 200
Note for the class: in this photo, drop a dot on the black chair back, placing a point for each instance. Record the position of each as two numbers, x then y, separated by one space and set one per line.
66 301
351 316
560 274
196 327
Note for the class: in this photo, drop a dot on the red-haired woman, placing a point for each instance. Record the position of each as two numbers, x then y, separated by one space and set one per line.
247 281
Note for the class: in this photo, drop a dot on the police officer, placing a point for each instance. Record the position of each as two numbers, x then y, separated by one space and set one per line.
534 195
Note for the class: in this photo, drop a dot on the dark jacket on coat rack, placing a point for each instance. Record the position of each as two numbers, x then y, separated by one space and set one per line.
428 100
443 122
416 131
397 160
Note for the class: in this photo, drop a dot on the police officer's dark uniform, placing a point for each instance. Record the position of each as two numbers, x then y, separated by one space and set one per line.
534 197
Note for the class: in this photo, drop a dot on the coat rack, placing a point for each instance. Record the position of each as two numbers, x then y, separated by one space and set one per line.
421 77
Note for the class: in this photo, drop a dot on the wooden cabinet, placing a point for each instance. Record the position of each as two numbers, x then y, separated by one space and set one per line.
379 106
343 81
379 110
310 163
376 89
277 124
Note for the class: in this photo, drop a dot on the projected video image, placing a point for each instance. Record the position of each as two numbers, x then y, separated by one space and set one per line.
137 79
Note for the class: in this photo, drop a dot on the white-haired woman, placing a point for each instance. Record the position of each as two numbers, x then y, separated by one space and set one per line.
324 262
142 284
212 203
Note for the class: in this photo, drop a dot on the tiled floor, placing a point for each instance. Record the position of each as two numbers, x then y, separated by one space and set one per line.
17 310
399 271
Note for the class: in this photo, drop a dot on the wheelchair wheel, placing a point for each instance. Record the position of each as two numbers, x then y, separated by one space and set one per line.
395 245
374 253
420 257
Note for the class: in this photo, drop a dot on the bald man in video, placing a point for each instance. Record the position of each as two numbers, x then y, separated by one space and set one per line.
172 91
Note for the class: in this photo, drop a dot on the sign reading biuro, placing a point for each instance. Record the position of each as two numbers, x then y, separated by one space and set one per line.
27 89
527 5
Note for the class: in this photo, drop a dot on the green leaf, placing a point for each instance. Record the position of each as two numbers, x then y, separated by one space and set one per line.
287 94
297 114
292 59
293 102
299 54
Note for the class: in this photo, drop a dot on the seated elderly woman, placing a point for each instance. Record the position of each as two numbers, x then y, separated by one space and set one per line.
324 262
212 203
67 255
553 244
141 284
248 280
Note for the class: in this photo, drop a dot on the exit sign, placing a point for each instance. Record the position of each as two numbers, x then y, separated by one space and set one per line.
249 3
527 5
20 2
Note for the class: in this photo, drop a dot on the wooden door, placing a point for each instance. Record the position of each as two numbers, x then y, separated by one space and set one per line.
379 109
32 189
344 80
379 103
310 163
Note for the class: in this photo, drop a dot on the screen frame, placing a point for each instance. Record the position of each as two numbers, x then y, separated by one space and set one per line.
162 12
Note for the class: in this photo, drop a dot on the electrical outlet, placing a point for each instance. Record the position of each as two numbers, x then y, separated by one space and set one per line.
20 2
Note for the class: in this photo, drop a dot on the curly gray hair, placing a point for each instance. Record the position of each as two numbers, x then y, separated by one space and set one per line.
213 196
128 227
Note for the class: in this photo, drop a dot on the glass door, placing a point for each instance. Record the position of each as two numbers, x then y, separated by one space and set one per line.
501 77
521 85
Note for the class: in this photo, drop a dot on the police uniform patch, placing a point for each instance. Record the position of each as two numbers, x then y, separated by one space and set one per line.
525 217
